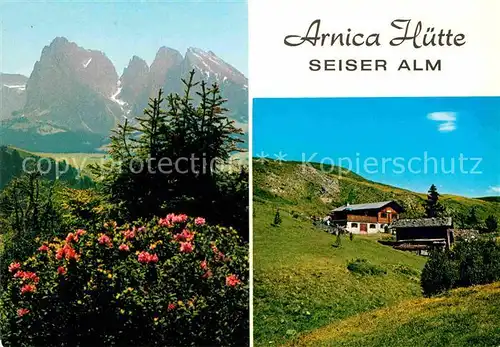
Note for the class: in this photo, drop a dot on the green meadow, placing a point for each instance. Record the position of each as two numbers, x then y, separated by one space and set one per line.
301 281
306 286
462 317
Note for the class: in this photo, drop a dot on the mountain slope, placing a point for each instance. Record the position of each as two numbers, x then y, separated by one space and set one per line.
463 317
313 191
71 88
76 93
301 280
12 94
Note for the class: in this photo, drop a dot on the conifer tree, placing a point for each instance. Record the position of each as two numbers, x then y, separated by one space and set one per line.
491 224
170 161
472 219
338 240
277 218
433 207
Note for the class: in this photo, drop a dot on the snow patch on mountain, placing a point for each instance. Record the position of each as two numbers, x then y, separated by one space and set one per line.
123 104
15 86
114 97
210 65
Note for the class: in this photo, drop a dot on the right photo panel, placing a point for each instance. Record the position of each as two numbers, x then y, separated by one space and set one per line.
375 175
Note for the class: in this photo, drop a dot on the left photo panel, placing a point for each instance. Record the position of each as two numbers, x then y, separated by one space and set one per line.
124 195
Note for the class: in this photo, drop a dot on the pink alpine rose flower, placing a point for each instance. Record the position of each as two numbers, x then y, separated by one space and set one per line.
124 248
80 232
153 258
22 312
67 252
207 274
185 236
204 265
186 247
146 258
129 234
28 275
105 240
14 267
181 218
199 221
172 219
71 237
232 281
28 288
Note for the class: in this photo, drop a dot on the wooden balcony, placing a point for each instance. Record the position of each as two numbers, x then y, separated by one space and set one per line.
361 219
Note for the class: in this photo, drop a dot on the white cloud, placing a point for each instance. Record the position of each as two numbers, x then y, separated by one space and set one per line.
494 190
447 126
447 120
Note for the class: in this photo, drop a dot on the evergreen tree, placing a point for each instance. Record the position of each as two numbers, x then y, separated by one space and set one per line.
433 207
338 239
472 219
491 224
171 161
277 218
351 197
27 210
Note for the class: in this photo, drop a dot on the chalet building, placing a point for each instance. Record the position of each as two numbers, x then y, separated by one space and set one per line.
424 233
366 218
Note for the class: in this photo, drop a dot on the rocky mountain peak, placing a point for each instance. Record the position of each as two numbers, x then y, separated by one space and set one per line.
134 80
77 90
166 58
213 67
164 68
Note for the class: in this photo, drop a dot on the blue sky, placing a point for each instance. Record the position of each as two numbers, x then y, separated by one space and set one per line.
428 135
123 29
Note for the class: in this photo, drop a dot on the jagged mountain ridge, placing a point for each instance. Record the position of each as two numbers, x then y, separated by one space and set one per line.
139 82
73 89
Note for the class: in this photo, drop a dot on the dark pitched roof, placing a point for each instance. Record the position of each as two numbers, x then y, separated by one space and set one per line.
423 222
369 206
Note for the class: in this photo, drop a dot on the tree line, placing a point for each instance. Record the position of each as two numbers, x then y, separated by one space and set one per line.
471 220
13 165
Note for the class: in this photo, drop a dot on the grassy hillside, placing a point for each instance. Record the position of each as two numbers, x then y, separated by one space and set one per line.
491 198
80 161
301 281
311 191
462 317
77 160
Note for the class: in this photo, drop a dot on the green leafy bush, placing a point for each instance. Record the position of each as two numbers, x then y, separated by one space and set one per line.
174 281
363 267
439 274
406 270
491 224
468 263
478 262
27 210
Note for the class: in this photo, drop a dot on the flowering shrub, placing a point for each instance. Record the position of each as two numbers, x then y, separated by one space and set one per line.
174 281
